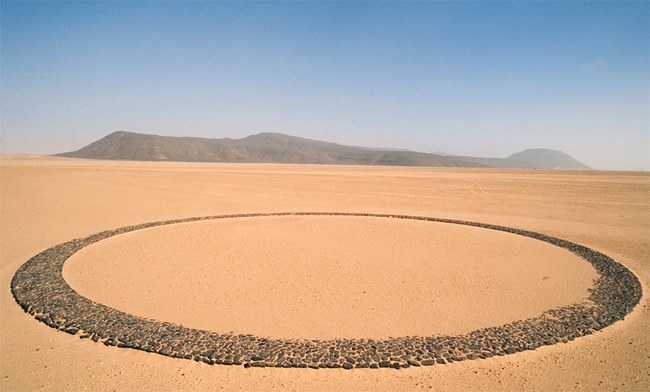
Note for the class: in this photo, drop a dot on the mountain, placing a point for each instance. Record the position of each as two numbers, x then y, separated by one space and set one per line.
280 148
551 159
260 148
539 158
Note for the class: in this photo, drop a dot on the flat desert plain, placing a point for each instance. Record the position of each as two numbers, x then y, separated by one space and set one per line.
321 277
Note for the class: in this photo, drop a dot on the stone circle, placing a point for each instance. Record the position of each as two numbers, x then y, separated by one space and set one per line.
39 288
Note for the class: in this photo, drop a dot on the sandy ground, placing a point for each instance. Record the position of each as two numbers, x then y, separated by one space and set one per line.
321 277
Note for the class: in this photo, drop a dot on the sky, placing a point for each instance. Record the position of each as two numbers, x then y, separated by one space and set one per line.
475 78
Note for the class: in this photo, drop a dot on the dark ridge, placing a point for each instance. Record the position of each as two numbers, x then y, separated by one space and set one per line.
280 148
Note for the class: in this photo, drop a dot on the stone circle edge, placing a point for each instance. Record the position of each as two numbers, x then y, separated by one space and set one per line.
39 288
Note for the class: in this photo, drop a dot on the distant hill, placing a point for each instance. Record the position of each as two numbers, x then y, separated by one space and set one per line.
552 159
280 148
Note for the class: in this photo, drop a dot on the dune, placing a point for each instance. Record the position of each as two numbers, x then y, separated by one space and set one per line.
321 277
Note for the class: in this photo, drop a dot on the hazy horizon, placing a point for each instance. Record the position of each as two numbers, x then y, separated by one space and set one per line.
442 153
486 79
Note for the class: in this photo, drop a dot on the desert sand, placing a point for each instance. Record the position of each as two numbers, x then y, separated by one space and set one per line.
321 277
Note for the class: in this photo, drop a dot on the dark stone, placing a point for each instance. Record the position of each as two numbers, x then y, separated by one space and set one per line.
428 362
71 331
40 290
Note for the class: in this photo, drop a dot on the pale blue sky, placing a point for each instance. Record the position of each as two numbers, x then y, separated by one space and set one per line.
466 78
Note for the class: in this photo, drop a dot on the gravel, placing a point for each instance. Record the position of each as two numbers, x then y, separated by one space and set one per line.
39 288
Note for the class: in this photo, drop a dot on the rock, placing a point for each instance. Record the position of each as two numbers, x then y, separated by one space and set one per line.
39 290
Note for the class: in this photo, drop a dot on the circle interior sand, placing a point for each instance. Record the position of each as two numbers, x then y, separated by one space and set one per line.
329 277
